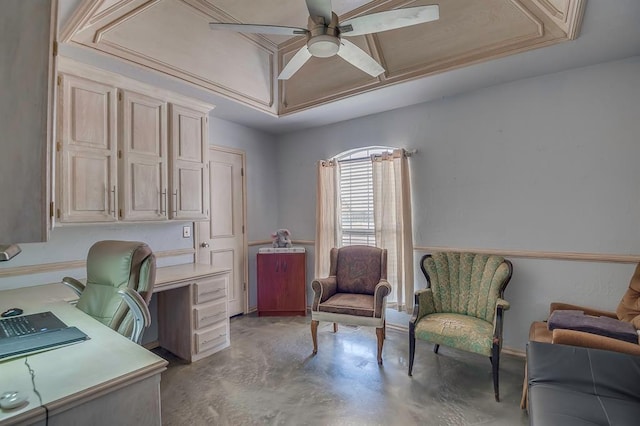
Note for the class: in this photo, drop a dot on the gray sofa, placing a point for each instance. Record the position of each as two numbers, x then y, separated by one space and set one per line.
570 385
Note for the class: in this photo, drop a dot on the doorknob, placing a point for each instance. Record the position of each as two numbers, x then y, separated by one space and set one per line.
204 245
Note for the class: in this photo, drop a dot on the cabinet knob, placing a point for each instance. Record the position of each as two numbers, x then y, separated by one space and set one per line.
204 245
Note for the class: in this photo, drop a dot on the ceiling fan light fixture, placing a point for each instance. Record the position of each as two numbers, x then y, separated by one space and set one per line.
323 46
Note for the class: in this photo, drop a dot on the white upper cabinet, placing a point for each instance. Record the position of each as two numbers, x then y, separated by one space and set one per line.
128 152
86 151
143 162
189 165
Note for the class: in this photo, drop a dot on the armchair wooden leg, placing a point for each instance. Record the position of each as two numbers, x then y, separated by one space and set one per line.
412 347
335 327
435 348
314 335
380 335
495 366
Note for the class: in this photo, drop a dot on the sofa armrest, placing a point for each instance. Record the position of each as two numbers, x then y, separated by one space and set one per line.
589 340
588 311
323 288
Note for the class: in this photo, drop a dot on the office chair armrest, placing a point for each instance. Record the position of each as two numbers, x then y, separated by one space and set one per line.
140 311
73 284
588 311
595 341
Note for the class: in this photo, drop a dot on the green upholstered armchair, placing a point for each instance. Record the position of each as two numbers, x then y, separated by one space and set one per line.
462 306
354 293
119 285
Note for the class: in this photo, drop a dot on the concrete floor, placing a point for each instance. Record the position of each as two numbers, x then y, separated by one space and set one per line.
269 377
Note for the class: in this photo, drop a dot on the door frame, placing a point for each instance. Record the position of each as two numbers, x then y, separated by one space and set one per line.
245 247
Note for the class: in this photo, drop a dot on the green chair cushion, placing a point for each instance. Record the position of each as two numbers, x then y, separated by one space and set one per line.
457 331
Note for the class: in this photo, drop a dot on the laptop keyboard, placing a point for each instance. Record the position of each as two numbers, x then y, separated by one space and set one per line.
16 326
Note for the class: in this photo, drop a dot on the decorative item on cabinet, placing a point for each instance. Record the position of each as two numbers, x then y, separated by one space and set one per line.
282 284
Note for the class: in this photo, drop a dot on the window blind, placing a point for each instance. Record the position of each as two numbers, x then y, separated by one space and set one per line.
356 202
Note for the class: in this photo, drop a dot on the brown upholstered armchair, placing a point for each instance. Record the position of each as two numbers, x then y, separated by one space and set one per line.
628 311
354 293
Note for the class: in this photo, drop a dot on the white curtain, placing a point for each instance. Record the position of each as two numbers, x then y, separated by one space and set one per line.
392 217
328 229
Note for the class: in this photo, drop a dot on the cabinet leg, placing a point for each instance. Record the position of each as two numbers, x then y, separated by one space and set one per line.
314 335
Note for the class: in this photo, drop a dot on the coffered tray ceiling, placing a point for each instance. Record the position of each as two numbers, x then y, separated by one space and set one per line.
173 37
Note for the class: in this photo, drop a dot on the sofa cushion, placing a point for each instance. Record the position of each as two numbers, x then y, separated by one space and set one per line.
603 326
571 385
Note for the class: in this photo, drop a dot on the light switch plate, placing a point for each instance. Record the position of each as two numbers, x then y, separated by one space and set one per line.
186 231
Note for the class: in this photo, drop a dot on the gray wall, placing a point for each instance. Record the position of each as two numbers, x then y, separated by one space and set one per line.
546 163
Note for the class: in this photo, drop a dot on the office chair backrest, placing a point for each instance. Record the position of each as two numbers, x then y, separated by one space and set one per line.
111 266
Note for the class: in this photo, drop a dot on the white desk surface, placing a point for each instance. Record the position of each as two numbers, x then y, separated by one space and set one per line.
68 375
170 275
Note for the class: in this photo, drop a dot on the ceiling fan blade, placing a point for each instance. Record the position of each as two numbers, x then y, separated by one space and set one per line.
295 63
389 20
320 8
359 58
258 29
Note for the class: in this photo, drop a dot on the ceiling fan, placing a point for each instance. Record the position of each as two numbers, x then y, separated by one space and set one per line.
325 34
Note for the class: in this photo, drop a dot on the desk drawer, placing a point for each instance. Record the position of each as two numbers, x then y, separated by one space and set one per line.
205 315
211 289
209 339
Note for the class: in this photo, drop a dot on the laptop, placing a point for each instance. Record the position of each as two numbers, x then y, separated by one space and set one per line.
32 333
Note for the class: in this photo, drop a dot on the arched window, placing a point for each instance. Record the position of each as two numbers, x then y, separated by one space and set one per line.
356 195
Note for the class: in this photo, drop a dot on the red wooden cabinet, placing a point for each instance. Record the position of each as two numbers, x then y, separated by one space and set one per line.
281 284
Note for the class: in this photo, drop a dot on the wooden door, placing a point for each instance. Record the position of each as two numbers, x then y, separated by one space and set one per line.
189 151
143 157
221 239
86 151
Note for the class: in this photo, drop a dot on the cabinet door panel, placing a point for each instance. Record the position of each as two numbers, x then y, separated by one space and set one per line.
281 284
87 152
143 167
189 164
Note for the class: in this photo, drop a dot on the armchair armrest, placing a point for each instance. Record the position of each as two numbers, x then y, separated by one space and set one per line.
382 290
588 311
323 288
73 284
502 304
589 340
423 305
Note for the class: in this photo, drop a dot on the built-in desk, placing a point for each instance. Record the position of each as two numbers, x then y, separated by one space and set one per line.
192 310
107 380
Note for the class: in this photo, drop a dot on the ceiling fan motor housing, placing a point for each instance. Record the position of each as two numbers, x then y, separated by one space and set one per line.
323 46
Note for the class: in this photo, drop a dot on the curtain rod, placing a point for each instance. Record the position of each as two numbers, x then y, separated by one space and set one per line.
350 160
